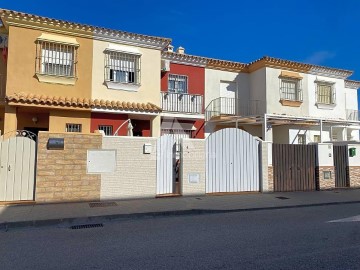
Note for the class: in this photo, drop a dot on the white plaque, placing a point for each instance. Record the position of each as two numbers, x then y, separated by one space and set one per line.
193 178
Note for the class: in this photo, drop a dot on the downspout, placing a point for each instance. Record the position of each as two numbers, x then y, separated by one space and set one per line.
321 130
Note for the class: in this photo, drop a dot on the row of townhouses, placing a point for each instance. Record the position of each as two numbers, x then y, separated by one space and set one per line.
60 76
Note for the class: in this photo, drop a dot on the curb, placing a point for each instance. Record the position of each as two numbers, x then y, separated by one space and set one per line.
67 222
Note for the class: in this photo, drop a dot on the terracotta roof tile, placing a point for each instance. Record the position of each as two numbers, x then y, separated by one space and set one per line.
29 98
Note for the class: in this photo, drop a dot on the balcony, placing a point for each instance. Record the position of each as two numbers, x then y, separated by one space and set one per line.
181 103
352 115
233 107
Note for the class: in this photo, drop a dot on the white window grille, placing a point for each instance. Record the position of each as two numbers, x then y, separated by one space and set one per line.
56 59
291 89
178 83
325 93
73 128
122 67
301 138
317 138
108 130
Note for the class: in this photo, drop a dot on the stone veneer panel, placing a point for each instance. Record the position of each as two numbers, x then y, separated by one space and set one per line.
61 174
270 179
354 172
326 183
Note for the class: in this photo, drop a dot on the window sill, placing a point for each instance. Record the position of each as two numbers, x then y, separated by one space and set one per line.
291 103
325 106
122 86
44 78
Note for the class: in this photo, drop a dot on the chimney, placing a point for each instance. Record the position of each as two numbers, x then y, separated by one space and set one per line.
180 50
170 48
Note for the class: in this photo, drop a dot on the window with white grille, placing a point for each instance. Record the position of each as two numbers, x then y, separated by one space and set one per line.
108 130
178 83
122 67
301 138
325 93
73 128
291 89
56 59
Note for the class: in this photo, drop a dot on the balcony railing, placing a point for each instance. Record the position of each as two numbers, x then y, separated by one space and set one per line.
182 103
232 106
352 115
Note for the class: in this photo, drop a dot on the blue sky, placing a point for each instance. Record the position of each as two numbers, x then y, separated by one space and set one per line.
318 32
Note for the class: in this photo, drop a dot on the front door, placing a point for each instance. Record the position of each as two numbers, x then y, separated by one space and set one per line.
341 164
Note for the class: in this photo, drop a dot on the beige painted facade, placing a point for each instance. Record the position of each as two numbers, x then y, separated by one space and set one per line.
149 88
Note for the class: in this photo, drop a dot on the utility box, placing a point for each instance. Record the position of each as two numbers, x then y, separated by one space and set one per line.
352 152
55 144
147 148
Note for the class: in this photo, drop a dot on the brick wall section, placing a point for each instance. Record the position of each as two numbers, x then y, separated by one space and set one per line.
354 172
270 179
326 183
61 174
193 160
135 174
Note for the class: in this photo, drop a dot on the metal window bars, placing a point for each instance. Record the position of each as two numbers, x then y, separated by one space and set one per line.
56 59
122 67
177 83
108 130
73 128
290 89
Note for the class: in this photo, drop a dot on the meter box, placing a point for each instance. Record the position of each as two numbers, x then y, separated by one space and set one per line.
352 152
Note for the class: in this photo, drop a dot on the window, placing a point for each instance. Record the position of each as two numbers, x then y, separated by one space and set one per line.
73 128
301 139
325 93
122 67
108 130
291 89
317 138
56 59
178 83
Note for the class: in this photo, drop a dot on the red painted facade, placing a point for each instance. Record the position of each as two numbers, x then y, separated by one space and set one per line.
196 86
196 78
141 127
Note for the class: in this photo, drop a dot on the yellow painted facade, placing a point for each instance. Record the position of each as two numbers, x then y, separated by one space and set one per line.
59 118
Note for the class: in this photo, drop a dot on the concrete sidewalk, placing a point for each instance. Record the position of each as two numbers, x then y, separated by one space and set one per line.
81 213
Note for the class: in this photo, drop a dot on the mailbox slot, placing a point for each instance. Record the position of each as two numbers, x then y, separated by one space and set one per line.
55 144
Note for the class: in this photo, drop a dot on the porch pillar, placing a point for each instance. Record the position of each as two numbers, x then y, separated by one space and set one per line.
156 126
267 130
10 119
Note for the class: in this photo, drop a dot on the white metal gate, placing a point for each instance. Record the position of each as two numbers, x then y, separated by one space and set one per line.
232 161
165 165
17 167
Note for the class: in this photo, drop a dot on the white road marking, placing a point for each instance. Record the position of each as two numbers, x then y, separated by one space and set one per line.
349 219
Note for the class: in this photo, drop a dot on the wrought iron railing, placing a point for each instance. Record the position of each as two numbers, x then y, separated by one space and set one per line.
352 115
288 94
232 106
182 103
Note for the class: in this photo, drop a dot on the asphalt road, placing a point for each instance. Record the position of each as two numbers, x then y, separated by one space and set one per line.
300 238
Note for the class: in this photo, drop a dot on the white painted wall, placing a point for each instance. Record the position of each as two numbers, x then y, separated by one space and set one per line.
325 154
258 89
273 83
213 79
354 161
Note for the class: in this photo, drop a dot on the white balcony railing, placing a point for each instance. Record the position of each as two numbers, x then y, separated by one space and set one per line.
182 103
232 106
352 115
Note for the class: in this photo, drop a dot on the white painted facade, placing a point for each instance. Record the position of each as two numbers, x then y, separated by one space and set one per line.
262 87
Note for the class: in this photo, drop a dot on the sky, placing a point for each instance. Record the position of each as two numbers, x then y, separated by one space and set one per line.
321 32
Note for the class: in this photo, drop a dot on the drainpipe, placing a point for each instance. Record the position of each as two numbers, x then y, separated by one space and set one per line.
321 130
265 128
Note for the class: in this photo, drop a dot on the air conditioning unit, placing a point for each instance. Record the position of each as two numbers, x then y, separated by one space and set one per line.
3 41
165 65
